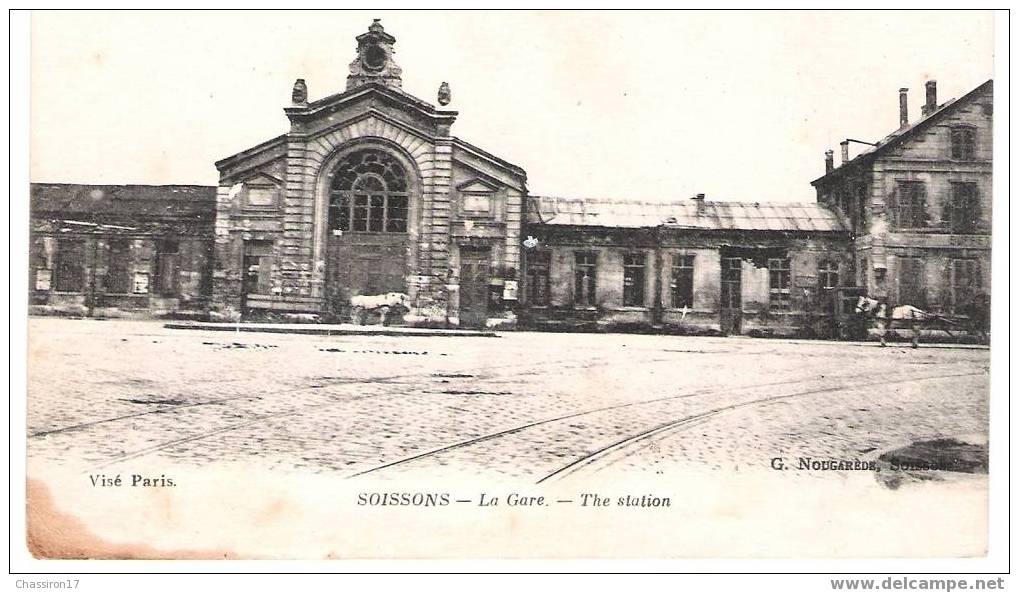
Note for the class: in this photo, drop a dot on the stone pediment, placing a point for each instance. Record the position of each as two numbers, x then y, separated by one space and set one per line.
477 186
262 178
482 170
394 103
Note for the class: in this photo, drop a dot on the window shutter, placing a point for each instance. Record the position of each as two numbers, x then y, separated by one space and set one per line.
892 208
946 286
925 213
975 214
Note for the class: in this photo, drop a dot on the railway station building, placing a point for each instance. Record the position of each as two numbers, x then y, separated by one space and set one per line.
370 192
690 266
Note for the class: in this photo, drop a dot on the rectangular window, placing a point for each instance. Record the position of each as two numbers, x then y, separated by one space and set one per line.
368 212
778 283
827 282
167 267
69 270
376 213
586 265
118 267
633 280
732 282
339 215
396 214
962 212
682 281
911 282
258 267
911 205
360 217
827 275
963 143
538 278
861 209
966 282
843 200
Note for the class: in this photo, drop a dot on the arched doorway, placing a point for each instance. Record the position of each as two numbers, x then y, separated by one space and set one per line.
368 221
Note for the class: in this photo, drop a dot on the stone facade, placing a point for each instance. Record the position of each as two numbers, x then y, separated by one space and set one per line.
120 251
681 276
295 178
920 204
369 194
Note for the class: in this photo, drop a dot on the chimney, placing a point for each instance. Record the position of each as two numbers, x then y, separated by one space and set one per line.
903 108
932 98
845 151
699 198
829 161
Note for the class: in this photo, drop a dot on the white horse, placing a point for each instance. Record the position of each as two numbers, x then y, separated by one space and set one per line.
879 311
382 303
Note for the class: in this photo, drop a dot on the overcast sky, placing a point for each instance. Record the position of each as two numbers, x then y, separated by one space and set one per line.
638 105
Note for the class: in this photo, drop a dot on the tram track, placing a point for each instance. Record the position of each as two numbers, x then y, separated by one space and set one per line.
430 374
169 409
676 425
472 372
421 379
702 392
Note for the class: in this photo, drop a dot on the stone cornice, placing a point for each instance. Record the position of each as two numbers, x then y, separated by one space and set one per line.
251 152
475 151
368 113
890 164
394 96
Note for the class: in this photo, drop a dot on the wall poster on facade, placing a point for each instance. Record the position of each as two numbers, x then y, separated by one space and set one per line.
43 278
509 290
141 283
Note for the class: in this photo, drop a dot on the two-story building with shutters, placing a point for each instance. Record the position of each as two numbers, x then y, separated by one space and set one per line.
919 204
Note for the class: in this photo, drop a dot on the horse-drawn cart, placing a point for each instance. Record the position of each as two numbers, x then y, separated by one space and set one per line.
860 317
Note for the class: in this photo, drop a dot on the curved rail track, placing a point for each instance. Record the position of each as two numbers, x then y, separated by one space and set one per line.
294 411
614 448
667 427
168 408
679 424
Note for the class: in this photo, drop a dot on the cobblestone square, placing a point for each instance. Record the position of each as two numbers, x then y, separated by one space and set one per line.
527 406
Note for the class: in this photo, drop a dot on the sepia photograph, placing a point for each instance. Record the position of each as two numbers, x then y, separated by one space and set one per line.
389 285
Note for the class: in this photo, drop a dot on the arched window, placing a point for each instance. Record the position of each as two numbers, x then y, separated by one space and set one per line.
369 194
